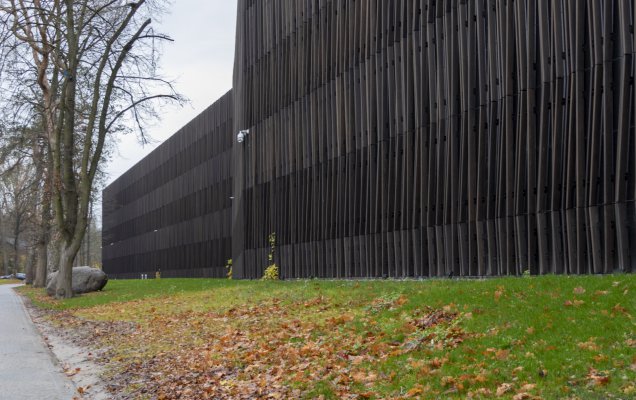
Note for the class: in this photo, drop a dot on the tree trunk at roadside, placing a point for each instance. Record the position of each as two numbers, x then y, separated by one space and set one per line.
44 224
64 287
16 245
5 259
41 251
30 268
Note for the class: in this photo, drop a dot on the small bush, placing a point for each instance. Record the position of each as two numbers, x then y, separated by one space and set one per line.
271 273
229 269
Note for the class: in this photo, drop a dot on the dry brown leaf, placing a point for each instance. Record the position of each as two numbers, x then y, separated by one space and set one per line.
502 354
415 392
528 387
579 290
598 378
503 389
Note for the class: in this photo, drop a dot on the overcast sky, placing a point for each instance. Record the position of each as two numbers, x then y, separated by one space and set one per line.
200 59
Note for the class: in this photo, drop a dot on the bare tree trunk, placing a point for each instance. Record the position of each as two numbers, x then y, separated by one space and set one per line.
88 235
30 269
16 255
41 264
42 244
64 284
5 259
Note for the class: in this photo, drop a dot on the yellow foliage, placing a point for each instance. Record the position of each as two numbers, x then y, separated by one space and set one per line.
271 273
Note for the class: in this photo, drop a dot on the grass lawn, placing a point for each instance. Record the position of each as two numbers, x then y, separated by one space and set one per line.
10 282
519 338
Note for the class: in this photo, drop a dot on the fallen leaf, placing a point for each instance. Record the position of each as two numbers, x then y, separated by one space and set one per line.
619 308
503 389
414 392
528 387
598 378
600 358
502 354
589 345
402 300
579 290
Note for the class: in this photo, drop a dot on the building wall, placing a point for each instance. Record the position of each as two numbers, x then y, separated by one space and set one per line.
394 138
172 211
424 137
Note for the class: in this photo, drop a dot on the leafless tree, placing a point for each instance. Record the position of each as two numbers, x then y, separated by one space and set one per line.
17 186
88 68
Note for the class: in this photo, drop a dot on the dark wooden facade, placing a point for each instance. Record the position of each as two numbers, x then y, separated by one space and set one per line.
419 137
172 211
423 137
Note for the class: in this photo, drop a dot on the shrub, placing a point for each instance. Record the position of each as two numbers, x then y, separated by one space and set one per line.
229 269
271 273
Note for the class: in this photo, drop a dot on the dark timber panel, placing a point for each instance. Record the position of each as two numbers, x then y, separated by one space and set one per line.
399 138
172 211
423 137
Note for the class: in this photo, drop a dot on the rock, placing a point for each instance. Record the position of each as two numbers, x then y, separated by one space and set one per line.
85 280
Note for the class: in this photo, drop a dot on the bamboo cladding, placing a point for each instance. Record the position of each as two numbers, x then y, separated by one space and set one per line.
428 137
399 138
172 211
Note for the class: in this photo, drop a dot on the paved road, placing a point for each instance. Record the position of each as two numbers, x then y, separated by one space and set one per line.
28 369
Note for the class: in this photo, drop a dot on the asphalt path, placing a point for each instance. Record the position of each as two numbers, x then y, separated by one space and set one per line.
28 369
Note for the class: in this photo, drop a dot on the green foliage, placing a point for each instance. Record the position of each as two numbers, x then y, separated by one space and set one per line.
272 246
271 273
228 267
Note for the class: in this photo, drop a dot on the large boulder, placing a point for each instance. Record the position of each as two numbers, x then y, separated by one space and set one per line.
85 280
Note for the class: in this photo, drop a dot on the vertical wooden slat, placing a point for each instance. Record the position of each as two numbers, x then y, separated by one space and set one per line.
400 138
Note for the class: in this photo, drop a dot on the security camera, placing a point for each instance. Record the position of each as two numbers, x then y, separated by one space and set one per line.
242 135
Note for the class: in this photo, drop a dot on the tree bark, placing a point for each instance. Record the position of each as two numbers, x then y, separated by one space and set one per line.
30 268
41 252
16 245
43 236
64 286
5 259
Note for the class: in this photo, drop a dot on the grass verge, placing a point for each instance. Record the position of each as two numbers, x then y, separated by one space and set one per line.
10 282
520 338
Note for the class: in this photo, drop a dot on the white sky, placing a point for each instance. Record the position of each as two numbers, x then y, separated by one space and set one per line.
201 61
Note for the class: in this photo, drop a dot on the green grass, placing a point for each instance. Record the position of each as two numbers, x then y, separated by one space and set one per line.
568 335
120 291
10 282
